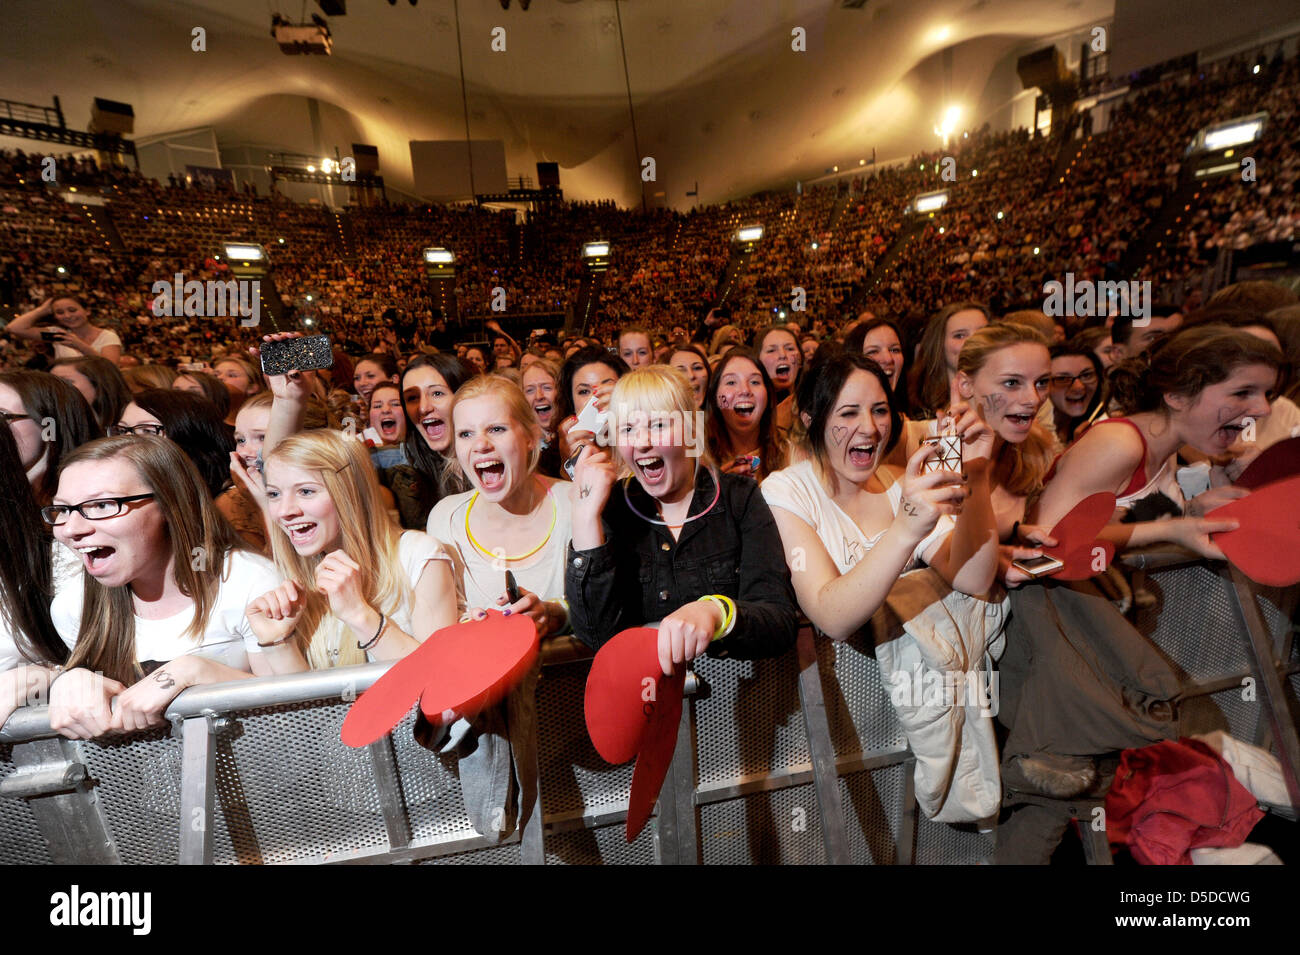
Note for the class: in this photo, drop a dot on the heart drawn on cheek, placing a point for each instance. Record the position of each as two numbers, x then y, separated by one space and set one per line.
838 433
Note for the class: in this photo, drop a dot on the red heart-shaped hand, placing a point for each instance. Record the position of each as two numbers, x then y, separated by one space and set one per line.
464 668
1086 562
656 754
1077 530
1266 545
621 688
1277 461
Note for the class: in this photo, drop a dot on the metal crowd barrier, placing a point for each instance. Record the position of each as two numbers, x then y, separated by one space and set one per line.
798 759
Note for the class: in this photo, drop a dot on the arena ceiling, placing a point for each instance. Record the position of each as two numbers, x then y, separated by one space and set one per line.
720 97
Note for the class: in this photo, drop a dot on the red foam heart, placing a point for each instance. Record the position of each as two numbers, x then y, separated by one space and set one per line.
614 704
656 755
1277 461
389 698
1266 545
1081 564
1077 530
464 668
478 663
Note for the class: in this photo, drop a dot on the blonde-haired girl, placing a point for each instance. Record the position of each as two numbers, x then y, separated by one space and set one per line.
356 586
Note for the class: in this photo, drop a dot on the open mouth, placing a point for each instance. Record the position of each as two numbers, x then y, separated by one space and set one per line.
542 410
388 429
300 533
783 370
96 558
491 474
1231 432
651 468
861 455
744 409
435 429
1020 420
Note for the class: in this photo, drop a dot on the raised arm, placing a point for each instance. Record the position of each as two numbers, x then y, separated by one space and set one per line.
24 326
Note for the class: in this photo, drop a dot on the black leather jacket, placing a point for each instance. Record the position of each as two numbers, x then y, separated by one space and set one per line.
640 574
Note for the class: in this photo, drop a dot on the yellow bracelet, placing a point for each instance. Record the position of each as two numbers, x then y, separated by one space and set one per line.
728 608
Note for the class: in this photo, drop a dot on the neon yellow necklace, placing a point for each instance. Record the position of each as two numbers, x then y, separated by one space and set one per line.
555 511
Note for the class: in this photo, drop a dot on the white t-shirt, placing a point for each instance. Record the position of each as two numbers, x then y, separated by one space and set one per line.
246 577
104 339
66 573
481 579
415 549
797 490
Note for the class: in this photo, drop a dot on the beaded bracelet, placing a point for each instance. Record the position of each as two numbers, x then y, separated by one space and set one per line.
383 625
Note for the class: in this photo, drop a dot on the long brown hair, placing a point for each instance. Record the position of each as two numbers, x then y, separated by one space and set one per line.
931 391
200 541
1020 468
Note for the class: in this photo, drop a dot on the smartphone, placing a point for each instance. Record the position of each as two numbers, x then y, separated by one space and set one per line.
752 461
947 454
512 587
1038 566
571 465
296 354
51 336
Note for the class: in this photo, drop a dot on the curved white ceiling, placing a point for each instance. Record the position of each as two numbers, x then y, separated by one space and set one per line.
720 97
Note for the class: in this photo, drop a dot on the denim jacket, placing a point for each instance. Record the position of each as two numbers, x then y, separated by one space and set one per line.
641 574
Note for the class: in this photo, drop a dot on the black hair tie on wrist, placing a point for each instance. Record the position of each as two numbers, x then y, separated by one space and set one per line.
1015 532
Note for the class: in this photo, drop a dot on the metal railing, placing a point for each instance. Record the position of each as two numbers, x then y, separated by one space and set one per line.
795 759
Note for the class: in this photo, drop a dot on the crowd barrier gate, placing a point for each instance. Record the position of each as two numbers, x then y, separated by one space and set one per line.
798 759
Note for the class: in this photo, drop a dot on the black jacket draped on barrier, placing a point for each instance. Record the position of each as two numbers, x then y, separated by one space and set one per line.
640 574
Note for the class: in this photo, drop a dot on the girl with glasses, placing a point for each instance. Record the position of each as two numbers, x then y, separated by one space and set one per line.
30 649
160 603
48 419
1078 395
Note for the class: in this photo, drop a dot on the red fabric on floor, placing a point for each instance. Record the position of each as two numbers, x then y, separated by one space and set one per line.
1172 797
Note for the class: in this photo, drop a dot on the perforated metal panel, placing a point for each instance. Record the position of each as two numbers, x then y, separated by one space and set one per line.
496 855
312 796
938 843
778 827
873 812
605 845
1196 624
862 720
750 723
21 842
573 776
138 781
435 803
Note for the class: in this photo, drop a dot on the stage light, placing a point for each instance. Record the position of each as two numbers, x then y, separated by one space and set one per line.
974 173
1234 132
1035 250
244 252
61 270
750 233
814 245
999 214
930 201
309 298
311 168
595 250
439 263
941 230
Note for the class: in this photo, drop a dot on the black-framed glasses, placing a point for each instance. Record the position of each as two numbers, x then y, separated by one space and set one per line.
118 430
1088 378
10 416
100 509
